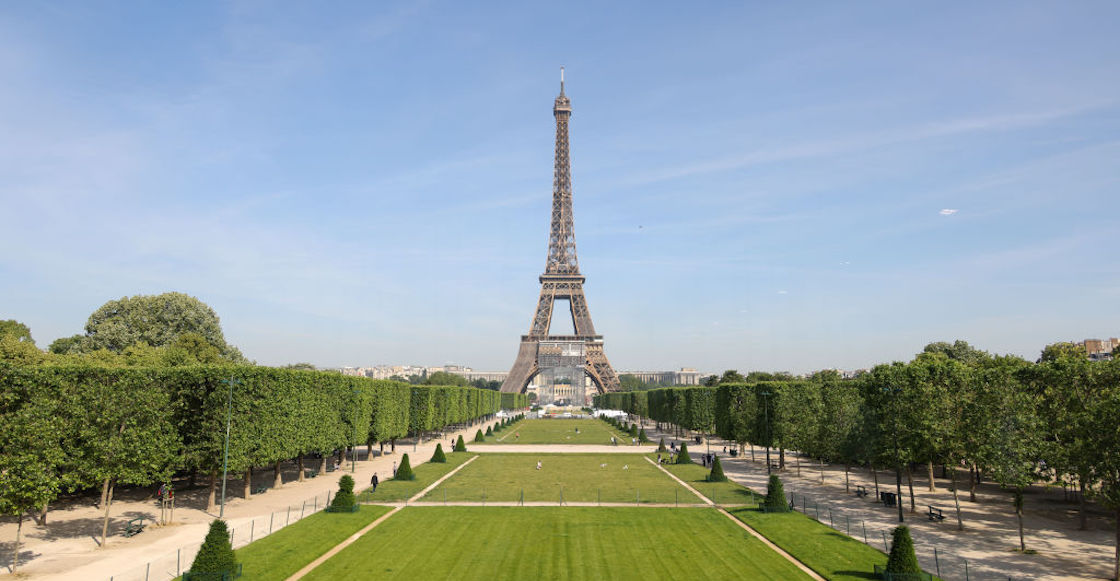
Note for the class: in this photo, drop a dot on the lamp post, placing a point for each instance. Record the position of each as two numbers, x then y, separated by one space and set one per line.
766 410
354 442
225 456
893 391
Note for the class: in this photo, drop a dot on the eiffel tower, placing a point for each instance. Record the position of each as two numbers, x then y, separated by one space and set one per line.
561 280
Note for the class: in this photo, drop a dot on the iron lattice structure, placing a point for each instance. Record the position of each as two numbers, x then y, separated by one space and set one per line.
561 280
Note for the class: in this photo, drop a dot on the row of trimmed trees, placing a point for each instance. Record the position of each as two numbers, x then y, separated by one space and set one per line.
996 417
67 428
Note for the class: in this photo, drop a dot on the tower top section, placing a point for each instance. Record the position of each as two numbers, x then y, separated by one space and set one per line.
563 105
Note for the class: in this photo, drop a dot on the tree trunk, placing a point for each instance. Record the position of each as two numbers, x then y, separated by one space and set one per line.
847 488
910 485
299 466
277 476
1019 515
822 470
932 483
392 445
972 483
875 475
798 465
248 483
323 465
192 480
781 458
369 451
210 502
956 501
108 486
15 553
42 520
104 493
752 453
1081 516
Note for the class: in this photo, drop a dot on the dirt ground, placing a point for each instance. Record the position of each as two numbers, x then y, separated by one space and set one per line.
67 547
989 543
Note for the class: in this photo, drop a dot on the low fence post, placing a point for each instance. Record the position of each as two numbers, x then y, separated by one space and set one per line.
885 547
270 517
302 509
936 562
288 519
864 524
252 530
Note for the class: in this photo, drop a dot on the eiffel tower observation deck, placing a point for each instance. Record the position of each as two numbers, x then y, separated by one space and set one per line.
581 351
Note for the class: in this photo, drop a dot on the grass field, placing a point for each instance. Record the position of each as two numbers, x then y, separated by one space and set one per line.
581 478
719 492
558 431
513 543
830 553
426 473
287 550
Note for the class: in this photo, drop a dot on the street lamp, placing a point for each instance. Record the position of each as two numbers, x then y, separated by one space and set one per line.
354 442
766 410
893 391
225 459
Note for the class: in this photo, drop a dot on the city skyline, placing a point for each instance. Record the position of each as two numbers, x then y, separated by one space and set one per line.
781 188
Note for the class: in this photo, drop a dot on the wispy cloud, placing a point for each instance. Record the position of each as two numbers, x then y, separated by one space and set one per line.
948 211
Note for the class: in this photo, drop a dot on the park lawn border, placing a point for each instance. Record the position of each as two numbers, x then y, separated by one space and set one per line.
391 490
507 434
286 551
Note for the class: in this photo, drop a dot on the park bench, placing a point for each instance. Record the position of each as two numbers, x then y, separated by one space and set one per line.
260 490
775 466
888 498
861 491
312 473
935 513
134 527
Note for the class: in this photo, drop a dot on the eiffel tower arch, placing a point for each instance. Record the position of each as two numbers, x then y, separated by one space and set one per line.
561 280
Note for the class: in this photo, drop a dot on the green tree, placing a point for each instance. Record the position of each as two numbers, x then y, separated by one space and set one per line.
1106 468
732 376
158 320
775 495
216 553
17 330
67 345
902 558
404 471
344 500
682 456
445 378
716 474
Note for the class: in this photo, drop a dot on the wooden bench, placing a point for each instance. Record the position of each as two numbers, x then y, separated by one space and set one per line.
260 490
134 527
861 491
935 514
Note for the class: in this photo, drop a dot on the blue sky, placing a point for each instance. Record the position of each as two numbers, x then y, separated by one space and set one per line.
757 186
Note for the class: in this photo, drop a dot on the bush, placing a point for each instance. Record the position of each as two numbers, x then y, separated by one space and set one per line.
439 456
902 558
478 436
404 471
216 553
716 475
489 432
775 495
642 437
460 446
344 500
497 428
633 430
682 456
661 446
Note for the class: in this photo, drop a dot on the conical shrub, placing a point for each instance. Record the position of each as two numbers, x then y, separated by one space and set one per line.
478 437
460 445
716 475
489 432
439 456
642 437
902 558
633 430
344 500
404 471
216 553
775 494
661 446
682 456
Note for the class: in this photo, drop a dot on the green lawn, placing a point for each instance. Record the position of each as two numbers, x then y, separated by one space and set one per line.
559 431
826 551
580 477
426 473
514 543
720 492
287 550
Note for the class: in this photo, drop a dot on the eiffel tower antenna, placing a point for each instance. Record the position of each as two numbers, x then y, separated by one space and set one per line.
561 280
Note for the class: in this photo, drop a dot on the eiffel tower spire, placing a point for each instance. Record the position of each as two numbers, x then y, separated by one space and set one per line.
561 280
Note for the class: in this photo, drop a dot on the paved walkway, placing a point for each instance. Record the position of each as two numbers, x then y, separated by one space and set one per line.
988 542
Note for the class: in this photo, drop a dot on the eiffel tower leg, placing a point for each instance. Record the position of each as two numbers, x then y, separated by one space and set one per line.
524 369
600 369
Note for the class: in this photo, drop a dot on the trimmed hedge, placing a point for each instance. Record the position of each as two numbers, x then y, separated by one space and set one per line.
404 471
716 475
682 456
460 445
216 554
439 456
902 558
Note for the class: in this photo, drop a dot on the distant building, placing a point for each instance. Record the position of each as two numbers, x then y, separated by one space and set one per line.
686 376
1100 348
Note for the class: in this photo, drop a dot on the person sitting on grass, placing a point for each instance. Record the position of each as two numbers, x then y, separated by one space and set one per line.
538 464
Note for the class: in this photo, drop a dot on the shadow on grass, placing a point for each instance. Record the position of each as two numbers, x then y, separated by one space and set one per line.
858 574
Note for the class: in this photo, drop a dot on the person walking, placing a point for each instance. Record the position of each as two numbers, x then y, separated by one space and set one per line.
373 482
394 468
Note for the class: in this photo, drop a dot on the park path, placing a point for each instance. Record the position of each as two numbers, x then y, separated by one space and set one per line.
64 549
990 534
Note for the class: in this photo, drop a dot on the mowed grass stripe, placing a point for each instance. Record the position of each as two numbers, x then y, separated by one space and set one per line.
511 543
579 477
391 490
560 431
